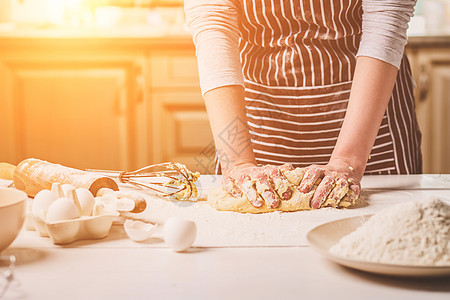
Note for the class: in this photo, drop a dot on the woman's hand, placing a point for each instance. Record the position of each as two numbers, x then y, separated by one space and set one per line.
339 179
259 184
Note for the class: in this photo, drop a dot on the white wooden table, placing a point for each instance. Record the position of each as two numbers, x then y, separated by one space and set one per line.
239 261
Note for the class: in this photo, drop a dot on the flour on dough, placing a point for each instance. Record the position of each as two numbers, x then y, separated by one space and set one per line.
221 200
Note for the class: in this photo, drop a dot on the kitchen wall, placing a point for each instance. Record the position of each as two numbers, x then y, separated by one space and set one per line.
106 87
114 84
431 17
91 13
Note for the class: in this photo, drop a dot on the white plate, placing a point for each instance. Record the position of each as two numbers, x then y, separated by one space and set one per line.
323 237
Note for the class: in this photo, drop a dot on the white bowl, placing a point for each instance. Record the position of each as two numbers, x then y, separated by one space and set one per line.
12 215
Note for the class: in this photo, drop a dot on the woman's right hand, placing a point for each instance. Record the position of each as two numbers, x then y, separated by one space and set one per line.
259 184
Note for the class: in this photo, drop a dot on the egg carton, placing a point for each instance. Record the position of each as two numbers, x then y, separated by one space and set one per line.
83 228
93 222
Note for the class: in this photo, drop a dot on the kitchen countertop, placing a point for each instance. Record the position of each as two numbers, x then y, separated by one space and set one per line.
92 42
146 33
232 257
437 40
12 36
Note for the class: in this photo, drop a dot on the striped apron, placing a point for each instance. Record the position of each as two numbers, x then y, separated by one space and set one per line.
298 60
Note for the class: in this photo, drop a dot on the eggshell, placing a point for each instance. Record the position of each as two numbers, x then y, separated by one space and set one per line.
42 202
86 200
62 209
57 190
179 234
66 188
139 231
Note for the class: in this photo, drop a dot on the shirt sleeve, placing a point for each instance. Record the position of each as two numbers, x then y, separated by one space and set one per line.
384 25
214 25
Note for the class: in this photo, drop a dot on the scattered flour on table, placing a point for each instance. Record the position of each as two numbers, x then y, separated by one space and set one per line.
414 233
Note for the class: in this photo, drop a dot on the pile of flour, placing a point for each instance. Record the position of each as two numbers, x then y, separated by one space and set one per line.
413 233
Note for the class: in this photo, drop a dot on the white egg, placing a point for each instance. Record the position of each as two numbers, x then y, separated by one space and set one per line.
100 209
124 204
42 202
66 188
120 204
179 234
86 200
62 209
104 191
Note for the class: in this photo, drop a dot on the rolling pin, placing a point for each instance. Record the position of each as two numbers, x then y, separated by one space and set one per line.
6 171
33 175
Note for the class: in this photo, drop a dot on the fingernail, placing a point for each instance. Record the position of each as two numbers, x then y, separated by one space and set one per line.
237 194
271 200
314 204
257 202
287 194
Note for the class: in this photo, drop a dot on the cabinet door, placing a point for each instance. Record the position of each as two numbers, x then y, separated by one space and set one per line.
432 74
174 69
440 112
181 130
76 114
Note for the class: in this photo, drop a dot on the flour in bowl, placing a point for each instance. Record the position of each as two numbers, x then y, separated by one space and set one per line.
414 233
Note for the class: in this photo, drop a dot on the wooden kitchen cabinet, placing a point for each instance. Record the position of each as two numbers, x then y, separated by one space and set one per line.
74 110
176 69
107 103
430 62
123 103
181 130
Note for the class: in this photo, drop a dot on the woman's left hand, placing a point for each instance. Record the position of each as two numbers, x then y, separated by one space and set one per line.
338 180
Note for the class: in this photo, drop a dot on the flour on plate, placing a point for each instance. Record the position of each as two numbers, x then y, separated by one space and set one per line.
414 233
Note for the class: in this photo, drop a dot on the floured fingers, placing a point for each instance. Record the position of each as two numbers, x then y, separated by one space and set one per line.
248 187
353 193
312 174
256 186
280 183
322 191
229 184
286 167
265 189
337 193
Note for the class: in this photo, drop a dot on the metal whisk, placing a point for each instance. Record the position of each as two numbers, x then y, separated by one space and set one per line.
166 179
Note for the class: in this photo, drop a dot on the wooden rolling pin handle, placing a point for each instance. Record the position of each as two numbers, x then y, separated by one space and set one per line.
34 175
102 182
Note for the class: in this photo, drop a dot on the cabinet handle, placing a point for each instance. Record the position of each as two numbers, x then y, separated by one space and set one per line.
423 83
